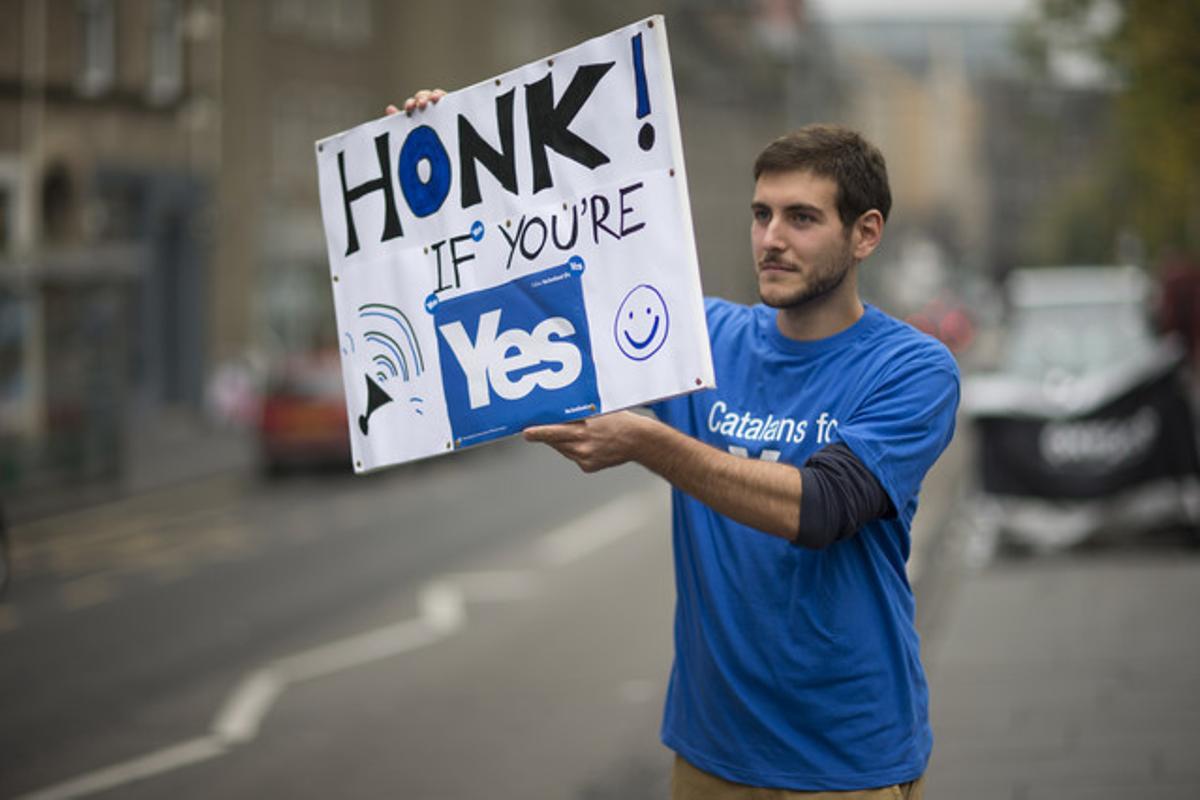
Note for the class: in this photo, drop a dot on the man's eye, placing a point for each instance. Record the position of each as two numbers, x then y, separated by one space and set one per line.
761 215
803 218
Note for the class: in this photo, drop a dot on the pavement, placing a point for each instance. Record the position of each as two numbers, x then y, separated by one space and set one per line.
1073 675
158 450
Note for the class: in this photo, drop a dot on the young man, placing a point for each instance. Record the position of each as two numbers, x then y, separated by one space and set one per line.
796 657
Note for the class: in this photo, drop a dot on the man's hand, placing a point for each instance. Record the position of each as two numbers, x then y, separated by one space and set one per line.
761 494
594 443
418 102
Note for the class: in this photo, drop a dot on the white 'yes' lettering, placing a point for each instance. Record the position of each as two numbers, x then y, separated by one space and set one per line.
495 355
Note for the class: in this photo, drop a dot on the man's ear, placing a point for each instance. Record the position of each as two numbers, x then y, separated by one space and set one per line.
868 230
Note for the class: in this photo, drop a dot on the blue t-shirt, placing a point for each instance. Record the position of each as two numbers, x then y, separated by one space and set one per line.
796 668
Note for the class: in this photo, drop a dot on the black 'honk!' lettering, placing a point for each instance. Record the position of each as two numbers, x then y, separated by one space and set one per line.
548 123
424 192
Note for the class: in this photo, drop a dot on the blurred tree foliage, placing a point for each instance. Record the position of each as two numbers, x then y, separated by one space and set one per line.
1148 181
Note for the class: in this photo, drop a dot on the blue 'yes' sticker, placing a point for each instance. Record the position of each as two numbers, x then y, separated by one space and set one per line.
516 355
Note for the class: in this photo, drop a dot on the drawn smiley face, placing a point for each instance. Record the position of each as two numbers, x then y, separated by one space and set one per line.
642 323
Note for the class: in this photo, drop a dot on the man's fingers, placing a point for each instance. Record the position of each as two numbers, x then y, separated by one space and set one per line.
421 100
391 110
572 449
554 434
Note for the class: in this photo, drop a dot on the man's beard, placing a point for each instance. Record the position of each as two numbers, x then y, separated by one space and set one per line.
821 285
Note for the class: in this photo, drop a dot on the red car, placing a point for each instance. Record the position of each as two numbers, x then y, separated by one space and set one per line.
946 320
303 421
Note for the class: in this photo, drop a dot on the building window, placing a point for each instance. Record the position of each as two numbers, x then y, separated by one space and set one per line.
8 213
98 66
11 197
58 204
166 52
341 23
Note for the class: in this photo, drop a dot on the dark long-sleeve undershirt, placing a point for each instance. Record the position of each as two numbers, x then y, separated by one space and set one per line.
838 496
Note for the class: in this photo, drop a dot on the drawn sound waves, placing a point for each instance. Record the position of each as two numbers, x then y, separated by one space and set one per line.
397 354
398 351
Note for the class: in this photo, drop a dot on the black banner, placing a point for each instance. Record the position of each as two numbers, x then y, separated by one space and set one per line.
1145 434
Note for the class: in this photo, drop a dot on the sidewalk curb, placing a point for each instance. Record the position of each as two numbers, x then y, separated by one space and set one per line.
940 557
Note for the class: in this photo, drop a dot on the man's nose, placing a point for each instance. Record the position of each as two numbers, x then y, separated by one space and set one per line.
772 234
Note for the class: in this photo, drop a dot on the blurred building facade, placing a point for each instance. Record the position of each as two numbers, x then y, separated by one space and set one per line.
159 214
296 71
108 117
745 72
1044 140
917 96
158 205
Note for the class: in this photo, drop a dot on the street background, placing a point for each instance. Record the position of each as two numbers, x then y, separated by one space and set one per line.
205 602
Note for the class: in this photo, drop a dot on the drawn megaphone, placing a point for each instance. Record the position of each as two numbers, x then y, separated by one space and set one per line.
376 397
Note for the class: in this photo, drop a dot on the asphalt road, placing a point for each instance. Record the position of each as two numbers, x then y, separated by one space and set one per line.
493 622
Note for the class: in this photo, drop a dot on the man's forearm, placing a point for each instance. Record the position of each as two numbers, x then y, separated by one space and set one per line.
761 494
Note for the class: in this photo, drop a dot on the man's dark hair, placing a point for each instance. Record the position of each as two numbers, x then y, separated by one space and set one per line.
837 153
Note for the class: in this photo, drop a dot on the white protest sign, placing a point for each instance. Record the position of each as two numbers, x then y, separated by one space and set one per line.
519 253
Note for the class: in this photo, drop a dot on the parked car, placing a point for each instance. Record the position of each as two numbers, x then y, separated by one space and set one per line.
947 319
303 421
1087 425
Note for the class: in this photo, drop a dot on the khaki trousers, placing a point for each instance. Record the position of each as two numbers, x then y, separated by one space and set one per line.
690 783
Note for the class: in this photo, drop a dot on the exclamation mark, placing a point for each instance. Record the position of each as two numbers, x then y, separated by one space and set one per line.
646 133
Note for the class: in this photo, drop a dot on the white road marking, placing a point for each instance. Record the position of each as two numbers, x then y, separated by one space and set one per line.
442 605
239 719
183 754
605 525
371 646
494 586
